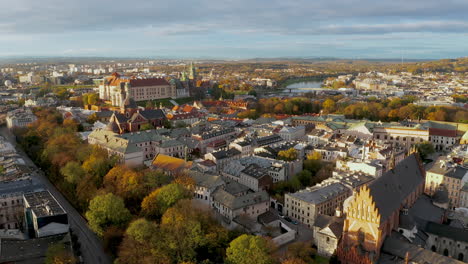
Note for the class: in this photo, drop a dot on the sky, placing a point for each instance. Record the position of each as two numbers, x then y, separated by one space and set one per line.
235 29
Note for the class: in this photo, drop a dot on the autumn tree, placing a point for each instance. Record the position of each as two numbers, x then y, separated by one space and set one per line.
156 203
106 210
328 105
248 249
73 172
295 261
302 251
287 155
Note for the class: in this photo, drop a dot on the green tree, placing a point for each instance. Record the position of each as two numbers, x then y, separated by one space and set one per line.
93 98
146 126
106 210
156 203
149 104
425 149
73 172
167 124
248 249
85 98
141 230
287 155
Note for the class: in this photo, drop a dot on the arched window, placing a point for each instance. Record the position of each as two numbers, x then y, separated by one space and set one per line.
460 256
446 252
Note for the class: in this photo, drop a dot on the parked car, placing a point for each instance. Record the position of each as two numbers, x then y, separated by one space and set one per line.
288 219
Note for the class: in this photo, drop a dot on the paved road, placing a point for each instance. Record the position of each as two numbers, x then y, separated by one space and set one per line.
91 246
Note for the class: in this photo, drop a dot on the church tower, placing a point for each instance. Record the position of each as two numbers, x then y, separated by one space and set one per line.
191 72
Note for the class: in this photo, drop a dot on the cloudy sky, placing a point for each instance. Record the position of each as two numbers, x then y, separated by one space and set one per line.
235 28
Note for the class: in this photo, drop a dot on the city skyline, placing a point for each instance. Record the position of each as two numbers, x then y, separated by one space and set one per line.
235 30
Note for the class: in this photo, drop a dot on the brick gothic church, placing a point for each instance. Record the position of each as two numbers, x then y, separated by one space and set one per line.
374 211
131 118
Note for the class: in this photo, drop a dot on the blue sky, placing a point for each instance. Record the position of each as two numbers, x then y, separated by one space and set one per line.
235 29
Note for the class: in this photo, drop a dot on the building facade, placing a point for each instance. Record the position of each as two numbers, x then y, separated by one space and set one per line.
20 118
116 88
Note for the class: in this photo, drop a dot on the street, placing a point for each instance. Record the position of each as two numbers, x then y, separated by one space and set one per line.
91 246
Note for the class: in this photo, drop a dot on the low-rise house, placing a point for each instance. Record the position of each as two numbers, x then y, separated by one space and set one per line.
443 139
230 206
307 204
292 133
205 185
244 146
329 153
206 138
255 177
279 170
327 232
223 157
170 164
451 176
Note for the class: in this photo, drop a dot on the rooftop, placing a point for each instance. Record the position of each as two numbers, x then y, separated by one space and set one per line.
42 204
320 195
447 231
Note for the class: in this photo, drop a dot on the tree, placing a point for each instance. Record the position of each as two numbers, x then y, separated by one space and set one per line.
93 98
328 105
156 203
73 172
304 177
287 155
315 155
92 118
106 210
425 149
294 261
302 251
85 98
58 254
147 126
149 104
248 249
141 230
167 124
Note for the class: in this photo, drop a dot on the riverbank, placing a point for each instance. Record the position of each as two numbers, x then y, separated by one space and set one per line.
292 80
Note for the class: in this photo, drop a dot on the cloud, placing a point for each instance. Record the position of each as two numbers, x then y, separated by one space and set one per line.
231 27
255 16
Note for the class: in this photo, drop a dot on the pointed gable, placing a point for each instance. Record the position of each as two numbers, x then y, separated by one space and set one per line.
363 207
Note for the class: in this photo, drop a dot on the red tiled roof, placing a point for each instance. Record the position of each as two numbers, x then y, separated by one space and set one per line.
442 132
148 82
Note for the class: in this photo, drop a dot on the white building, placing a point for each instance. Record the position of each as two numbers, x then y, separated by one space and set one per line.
20 118
292 133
